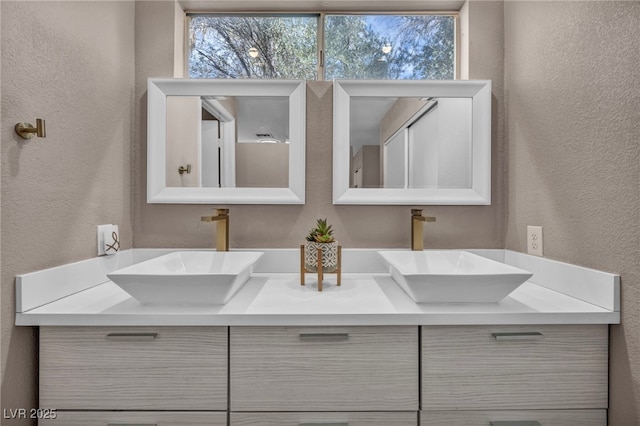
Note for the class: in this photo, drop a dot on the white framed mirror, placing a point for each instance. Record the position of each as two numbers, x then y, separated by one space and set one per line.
409 142
226 141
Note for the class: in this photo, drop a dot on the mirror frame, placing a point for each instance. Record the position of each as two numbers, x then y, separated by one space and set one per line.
157 91
478 90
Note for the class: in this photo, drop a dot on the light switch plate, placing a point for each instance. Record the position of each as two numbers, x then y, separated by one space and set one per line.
534 240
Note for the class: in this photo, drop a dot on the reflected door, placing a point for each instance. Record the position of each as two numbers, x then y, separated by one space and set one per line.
183 141
211 153
395 159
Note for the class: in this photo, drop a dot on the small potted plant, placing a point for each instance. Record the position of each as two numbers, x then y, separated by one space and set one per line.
321 237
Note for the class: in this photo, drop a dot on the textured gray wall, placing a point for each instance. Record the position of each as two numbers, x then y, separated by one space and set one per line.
573 130
72 64
1 369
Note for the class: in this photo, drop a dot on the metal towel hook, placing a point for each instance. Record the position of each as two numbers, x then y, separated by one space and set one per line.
27 130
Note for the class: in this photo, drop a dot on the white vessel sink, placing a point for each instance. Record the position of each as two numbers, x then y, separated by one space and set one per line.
187 277
452 276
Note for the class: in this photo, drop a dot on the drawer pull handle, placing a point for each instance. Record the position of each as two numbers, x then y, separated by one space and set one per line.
324 337
516 423
526 335
132 424
132 337
325 424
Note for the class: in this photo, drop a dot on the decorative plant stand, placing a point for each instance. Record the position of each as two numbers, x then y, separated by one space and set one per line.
303 269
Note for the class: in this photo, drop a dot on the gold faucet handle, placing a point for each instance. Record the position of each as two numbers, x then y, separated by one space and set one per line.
220 214
222 228
417 214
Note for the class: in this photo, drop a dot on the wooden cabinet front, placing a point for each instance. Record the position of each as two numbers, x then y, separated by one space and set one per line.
515 418
133 368
324 368
324 419
514 367
115 418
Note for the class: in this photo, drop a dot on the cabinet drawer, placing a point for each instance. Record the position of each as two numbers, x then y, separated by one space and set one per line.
324 368
514 367
324 419
133 368
108 418
515 418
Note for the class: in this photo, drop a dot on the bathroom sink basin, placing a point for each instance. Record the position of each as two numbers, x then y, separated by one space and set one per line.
187 277
452 276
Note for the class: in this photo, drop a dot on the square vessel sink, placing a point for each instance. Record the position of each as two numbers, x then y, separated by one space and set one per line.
452 276
187 277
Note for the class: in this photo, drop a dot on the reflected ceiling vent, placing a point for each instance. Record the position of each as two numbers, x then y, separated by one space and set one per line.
267 138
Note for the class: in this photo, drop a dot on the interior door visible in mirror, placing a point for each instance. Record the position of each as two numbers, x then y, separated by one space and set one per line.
226 141
236 142
412 142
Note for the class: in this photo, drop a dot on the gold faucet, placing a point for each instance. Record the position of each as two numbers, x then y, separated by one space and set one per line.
417 238
222 228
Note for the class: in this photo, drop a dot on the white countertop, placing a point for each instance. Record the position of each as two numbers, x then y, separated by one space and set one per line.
279 299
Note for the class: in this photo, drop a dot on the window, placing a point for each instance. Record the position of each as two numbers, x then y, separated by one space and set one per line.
390 47
253 47
354 46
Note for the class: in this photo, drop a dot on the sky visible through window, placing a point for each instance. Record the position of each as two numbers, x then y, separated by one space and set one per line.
355 47
390 46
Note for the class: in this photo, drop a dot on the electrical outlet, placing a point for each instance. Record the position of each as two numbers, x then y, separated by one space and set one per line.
101 237
534 240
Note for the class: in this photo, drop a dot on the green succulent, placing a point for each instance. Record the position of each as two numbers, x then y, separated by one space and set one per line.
322 233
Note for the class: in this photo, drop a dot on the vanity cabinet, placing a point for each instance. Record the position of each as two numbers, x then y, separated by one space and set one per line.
326 419
324 368
479 371
515 418
151 418
133 368
547 375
